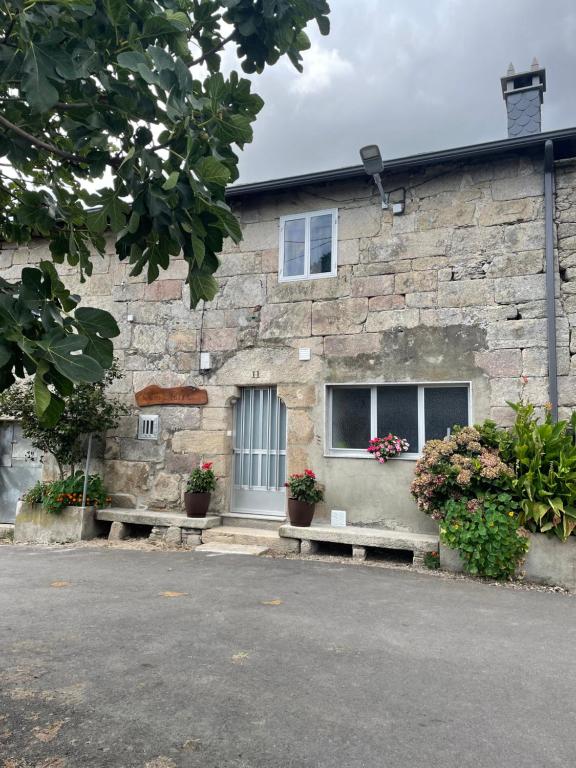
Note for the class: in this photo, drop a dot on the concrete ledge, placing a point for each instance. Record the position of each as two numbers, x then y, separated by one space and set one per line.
36 526
548 561
7 531
144 517
551 561
358 536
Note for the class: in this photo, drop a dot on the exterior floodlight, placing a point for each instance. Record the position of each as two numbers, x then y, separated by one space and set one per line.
373 165
372 159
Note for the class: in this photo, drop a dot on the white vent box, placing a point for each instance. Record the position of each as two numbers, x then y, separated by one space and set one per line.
304 353
148 427
338 518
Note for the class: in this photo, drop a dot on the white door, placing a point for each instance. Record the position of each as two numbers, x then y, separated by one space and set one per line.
259 453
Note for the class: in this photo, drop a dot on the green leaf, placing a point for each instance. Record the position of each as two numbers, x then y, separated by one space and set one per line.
62 350
111 210
171 181
39 91
132 60
211 171
98 322
48 406
203 286
5 353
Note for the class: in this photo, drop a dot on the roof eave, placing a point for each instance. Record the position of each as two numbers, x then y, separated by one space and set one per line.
565 138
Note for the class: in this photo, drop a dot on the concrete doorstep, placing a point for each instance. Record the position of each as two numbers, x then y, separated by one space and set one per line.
221 548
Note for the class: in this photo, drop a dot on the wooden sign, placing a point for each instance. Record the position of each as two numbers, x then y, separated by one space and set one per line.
154 395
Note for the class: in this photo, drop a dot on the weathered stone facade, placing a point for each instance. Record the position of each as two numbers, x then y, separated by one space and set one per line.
452 290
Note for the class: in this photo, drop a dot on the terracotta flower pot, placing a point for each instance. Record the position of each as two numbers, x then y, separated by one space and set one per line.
196 504
300 513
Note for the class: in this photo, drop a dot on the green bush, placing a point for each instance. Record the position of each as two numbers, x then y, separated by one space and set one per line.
545 463
486 533
57 494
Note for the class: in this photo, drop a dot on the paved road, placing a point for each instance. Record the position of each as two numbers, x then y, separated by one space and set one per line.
275 664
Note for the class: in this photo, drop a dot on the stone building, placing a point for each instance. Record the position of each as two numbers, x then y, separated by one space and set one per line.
338 319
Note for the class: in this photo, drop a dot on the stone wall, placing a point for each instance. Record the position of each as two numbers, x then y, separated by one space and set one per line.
453 290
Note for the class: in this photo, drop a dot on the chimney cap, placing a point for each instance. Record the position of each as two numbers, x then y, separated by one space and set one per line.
535 77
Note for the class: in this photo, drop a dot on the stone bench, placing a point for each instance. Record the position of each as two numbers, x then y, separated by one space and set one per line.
361 539
168 527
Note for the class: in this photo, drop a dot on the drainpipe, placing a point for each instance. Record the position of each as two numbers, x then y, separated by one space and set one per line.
550 276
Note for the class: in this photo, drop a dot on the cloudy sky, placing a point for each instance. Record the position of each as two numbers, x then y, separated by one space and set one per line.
411 76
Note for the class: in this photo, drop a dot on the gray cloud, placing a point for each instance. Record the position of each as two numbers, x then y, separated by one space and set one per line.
412 77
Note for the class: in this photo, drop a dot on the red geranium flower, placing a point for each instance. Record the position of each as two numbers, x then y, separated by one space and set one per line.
207 465
309 473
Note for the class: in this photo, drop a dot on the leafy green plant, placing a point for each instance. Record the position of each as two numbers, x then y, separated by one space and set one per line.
202 479
545 461
115 117
432 560
486 533
304 487
67 492
87 410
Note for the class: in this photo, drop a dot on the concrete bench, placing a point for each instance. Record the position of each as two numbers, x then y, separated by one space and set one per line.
168 527
361 539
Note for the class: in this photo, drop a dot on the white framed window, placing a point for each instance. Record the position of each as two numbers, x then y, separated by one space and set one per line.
308 244
418 412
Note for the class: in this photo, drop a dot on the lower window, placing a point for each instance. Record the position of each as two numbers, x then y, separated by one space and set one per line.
416 412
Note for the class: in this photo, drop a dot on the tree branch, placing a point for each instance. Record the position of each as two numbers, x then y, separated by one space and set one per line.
215 49
76 159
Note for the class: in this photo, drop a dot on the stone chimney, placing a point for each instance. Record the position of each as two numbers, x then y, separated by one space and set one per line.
524 93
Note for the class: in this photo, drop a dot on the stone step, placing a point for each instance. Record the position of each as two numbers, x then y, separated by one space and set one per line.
154 518
222 548
233 520
360 539
260 537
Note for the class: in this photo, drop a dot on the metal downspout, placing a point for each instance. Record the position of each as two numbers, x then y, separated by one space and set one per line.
550 277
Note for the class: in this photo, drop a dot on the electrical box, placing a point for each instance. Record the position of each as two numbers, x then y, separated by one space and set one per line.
304 353
338 518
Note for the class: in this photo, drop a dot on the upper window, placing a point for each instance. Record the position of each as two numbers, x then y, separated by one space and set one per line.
416 412
308 245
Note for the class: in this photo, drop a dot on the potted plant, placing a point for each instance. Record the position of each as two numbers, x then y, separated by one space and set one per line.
384 448
201 483
304 494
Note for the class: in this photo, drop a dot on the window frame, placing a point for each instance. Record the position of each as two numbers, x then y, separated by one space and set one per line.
307 216
361 453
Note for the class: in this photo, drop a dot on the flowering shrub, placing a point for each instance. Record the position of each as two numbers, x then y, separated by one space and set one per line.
303 487
384 448
460 466
202 479
485 532
57 494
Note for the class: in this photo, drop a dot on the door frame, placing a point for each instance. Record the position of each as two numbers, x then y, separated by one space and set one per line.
265 501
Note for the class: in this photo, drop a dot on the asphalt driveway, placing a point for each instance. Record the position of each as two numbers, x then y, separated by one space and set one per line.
116 658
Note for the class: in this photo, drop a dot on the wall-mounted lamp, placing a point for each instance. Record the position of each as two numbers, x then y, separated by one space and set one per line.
205 361
374 165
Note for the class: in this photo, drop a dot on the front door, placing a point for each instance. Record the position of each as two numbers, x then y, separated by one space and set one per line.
259 453
20 468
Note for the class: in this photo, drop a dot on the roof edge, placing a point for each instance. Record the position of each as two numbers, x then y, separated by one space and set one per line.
567 136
